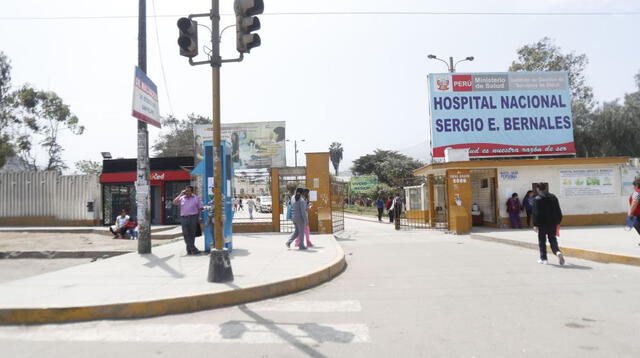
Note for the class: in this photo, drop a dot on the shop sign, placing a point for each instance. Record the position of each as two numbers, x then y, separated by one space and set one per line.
586 182
501 114
157 176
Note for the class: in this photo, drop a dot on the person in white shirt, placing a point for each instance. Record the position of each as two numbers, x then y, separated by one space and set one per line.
121 225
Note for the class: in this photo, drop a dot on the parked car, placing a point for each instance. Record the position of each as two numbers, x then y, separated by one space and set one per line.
264 204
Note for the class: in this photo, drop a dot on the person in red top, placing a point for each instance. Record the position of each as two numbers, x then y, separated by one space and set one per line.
513 208
388 207
634 207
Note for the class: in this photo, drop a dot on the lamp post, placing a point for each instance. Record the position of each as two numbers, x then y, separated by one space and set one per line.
295 150
450 65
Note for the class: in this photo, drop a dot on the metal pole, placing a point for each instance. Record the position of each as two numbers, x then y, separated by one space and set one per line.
451 68
295 153
219 263
142 182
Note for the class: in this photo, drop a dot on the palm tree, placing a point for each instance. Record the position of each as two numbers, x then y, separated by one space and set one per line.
335 152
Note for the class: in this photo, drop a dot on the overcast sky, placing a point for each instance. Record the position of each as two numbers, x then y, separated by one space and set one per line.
356 79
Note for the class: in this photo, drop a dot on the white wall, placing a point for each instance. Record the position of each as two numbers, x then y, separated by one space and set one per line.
572 205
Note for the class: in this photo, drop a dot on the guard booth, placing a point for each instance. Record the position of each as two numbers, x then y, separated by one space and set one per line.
204 169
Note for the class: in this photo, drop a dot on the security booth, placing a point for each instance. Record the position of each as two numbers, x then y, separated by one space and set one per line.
168 176
205 171
591 191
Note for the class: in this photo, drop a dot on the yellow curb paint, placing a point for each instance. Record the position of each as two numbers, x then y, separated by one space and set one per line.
569 251
175 305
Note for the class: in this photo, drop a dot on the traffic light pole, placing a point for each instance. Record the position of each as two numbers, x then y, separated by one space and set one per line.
142 177
219 262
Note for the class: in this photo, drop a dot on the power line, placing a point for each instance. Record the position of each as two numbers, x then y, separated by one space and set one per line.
341 13
164 77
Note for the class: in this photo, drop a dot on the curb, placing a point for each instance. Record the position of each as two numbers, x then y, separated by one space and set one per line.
35 230
175 305
569 251
59 254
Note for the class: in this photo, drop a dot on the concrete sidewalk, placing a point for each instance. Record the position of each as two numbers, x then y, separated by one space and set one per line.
167 281
609 244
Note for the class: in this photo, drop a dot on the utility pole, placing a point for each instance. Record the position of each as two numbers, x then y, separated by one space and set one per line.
142 177
219 262
451 68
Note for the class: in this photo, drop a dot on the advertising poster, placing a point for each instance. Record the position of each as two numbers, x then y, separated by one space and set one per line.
501 114
362 184
628 174
253 145
586 182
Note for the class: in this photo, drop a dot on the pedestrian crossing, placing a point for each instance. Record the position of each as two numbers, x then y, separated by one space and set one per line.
251 326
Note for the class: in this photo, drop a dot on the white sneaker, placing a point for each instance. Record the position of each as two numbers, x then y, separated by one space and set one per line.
560 258
541 261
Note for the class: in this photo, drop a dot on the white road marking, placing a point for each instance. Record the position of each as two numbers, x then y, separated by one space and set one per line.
306 306
242 332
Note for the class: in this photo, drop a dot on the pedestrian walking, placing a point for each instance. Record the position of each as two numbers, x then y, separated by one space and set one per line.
240 204
300 218
380 206
190 217
121 227
388 207
513 208
397 207
251 205
546 221
307 231
633 216
527 205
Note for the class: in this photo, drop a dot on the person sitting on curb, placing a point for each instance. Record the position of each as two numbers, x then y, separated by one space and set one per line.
121 225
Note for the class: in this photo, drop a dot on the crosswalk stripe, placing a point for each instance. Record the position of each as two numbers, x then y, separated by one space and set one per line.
306 306
242 332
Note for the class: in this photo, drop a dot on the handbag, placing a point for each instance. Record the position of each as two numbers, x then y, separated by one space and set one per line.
198 230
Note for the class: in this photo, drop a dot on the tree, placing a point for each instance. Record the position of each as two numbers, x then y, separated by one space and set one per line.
177 137
6 148
391 167
335 152
88 167
544 55
38 117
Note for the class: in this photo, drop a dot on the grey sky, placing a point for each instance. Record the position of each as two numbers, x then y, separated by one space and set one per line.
356 79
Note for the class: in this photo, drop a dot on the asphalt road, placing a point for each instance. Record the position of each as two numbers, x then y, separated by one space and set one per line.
404 294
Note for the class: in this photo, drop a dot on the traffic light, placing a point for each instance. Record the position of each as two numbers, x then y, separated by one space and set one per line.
188 40
246 22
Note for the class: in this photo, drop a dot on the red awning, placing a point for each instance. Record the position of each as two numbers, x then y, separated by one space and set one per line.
156 176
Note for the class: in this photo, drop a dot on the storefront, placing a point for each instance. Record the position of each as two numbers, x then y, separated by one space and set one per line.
168 177
591 191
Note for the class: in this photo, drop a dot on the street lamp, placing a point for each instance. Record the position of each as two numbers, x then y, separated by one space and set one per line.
295 149
450 65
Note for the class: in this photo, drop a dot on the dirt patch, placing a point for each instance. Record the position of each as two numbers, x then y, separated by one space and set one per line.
24 241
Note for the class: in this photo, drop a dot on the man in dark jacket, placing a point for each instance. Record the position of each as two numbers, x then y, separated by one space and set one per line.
546 218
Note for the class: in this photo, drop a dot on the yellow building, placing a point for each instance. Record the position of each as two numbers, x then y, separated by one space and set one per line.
591 191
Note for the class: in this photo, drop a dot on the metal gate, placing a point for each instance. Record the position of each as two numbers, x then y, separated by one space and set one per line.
415 199
338 195
288 182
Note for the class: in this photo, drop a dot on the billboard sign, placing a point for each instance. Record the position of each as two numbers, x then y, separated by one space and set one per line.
145 99
362 184
253 145
501 114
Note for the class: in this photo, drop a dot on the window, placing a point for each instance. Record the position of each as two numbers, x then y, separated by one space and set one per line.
484 183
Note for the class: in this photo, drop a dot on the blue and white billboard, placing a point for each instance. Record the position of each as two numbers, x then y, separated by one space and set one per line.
501 114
